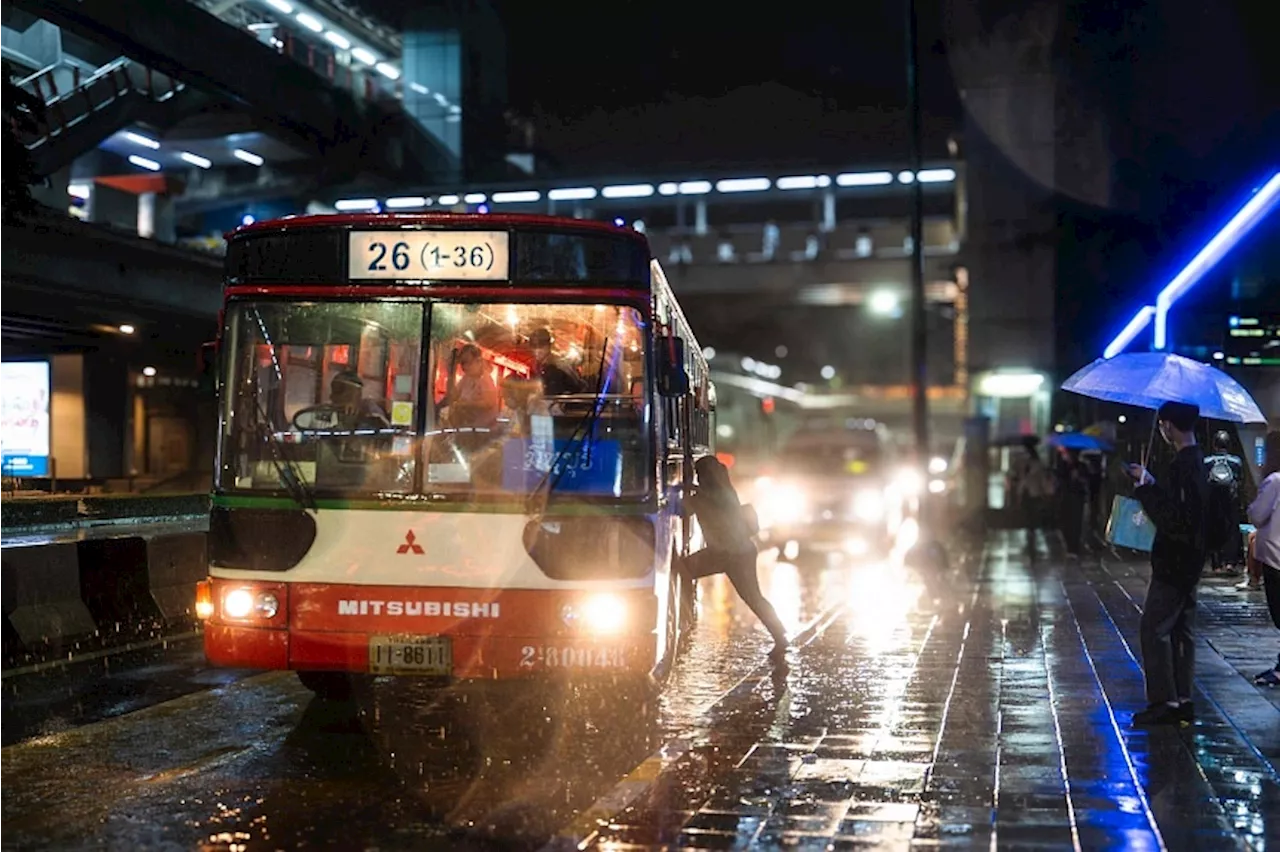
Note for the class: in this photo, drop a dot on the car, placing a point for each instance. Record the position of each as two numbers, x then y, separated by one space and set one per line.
833 489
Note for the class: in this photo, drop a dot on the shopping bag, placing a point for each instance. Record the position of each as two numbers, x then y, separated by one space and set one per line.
1129 526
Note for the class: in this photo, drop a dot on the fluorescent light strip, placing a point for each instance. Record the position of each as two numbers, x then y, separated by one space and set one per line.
742 185
337 40
864 179
668 188
311 22
281 6
144 141
368 57
474 198
347 204
694 187
1140 321
629 190
143 162
803 182
449 200
247 156
905 177
196 159
389 71
936 175
1253 212
578 193
521 197
406 201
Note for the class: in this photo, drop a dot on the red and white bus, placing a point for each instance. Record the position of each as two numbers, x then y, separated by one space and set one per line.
451 446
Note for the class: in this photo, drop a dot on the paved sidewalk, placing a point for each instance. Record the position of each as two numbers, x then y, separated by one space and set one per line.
985 707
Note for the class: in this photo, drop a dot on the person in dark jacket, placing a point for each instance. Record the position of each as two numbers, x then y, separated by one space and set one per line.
729 545
1225 472
1176 506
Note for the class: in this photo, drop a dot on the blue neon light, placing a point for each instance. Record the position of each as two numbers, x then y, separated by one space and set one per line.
1257 208
1140 321
1248 217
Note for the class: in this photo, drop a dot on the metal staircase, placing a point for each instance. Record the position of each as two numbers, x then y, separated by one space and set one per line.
80 112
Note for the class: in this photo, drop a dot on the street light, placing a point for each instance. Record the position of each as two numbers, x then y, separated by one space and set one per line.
828 372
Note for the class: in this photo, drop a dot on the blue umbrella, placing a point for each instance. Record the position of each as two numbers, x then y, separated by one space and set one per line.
1150 379
1079 441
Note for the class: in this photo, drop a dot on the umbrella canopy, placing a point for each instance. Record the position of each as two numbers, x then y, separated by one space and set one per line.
1150 379
1079 441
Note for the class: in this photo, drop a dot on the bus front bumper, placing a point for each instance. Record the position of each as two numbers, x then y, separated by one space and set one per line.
468 657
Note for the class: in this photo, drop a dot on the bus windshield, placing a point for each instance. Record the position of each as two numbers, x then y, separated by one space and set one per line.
448 400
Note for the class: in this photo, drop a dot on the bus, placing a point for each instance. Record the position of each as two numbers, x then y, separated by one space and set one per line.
451 446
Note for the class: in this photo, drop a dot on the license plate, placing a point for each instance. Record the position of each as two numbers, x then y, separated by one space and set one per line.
413 655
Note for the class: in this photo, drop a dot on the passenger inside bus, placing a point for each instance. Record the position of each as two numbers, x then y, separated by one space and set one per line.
557 377
473 401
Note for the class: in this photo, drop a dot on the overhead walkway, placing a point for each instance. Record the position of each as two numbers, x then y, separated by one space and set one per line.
189 45
79 117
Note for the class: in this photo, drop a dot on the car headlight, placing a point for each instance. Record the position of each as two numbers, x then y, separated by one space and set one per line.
868 505
783 503
937 486
909 482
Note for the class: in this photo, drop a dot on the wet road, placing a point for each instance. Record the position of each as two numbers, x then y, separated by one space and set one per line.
156 750
986 706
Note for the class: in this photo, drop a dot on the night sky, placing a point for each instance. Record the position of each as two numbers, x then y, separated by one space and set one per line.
1180 100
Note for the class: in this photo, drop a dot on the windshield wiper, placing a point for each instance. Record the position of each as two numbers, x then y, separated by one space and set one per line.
286 468
582 433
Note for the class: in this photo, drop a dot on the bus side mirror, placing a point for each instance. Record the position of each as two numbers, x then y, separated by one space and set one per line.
207 357
672 378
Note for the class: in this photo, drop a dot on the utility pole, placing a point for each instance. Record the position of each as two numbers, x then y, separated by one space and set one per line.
919 350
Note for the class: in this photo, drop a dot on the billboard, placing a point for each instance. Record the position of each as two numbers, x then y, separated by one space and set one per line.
24 418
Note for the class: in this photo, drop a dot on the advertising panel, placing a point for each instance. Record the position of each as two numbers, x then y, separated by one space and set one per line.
24 418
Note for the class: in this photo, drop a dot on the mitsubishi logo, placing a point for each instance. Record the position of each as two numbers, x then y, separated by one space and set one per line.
410 545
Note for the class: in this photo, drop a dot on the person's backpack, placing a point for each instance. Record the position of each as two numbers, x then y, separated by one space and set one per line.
1222 475
1220 515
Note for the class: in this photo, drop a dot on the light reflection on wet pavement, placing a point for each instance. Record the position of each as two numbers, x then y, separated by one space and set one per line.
987 706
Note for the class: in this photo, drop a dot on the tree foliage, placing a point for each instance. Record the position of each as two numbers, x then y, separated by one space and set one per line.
23 116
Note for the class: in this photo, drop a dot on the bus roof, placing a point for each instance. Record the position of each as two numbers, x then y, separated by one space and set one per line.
464 220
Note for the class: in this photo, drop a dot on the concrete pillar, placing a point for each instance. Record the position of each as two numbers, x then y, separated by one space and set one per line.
828 211
107 409
700 218
110 206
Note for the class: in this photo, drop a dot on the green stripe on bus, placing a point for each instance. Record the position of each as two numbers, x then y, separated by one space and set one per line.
245 501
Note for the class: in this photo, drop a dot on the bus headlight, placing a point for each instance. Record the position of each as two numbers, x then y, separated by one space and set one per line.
242 603
601 613
868 505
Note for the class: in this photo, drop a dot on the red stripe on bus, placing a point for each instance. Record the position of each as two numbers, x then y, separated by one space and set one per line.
637 295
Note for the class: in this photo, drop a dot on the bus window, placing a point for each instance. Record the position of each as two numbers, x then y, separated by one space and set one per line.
566 412
327 391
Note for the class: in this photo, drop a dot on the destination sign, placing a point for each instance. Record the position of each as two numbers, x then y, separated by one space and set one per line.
436 255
